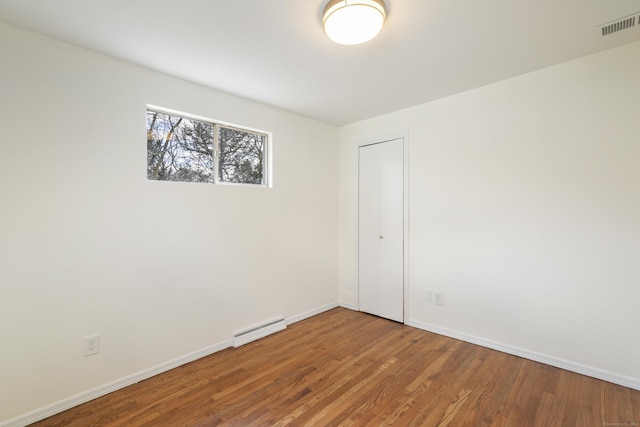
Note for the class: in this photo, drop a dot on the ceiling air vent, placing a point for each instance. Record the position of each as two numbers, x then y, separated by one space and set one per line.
624 23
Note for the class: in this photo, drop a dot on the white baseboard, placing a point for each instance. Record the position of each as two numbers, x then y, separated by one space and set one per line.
311 313
70 402
78 399
532 355
347 305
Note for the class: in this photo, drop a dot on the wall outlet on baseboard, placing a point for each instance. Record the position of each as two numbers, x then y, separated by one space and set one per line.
438 298
91 344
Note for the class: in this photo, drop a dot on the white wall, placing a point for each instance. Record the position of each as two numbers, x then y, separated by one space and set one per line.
525 211
89 245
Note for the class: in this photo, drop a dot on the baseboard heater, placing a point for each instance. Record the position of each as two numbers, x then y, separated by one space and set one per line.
259 331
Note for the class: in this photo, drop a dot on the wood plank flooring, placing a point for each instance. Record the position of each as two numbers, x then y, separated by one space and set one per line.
345 368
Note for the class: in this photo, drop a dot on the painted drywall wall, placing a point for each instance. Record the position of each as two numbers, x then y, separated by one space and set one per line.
89 245
524 211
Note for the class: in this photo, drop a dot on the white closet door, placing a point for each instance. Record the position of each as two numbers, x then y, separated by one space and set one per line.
381 229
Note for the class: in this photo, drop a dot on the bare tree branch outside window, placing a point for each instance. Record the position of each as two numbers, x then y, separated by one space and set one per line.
182 149
240 159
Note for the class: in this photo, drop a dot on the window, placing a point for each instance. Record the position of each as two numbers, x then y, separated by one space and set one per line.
186 149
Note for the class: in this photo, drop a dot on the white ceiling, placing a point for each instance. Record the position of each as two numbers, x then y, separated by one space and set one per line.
275 52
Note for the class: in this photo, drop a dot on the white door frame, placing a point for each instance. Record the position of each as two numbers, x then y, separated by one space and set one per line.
405 183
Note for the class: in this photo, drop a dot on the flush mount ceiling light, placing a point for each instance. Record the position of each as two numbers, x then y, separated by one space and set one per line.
353 21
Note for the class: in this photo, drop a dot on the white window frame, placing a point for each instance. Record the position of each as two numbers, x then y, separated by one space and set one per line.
217 124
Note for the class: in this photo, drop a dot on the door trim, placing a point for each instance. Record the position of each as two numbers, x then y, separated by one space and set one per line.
405 183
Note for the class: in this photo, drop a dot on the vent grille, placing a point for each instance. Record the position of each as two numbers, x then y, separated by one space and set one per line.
621 24
258 331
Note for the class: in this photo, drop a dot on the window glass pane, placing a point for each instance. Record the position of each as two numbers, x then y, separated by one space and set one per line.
178 148
241 156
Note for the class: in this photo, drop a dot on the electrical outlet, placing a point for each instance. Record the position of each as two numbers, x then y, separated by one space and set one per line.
428 295
438 298
91 344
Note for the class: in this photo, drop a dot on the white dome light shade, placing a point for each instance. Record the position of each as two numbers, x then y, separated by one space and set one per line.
353 21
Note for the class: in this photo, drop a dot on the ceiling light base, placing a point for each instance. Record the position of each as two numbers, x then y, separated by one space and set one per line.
352 22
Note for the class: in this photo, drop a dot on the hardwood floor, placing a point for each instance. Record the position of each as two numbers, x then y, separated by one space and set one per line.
349 368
